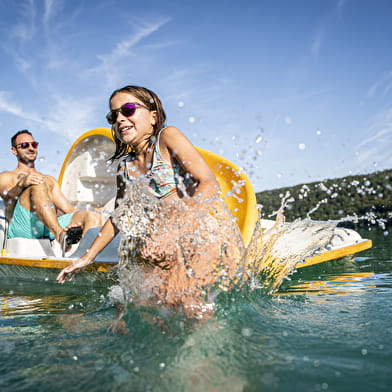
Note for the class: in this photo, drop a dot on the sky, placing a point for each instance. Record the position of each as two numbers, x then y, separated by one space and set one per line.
290 91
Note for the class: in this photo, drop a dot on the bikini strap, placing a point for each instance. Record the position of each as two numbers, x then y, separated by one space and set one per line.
157 150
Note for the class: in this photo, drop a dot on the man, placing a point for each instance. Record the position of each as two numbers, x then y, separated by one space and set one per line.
34 200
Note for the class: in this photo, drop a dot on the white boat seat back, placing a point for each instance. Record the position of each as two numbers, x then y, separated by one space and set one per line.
88 177
26 248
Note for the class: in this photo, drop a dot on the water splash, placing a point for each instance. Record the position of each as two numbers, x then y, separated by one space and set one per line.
185 253
178 253
273 253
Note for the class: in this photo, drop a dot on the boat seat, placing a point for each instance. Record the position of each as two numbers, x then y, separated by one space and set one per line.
108 254
29 248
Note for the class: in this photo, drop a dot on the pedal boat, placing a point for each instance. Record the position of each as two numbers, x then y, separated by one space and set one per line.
87 179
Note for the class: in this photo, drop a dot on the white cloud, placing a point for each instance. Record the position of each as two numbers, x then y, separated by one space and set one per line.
340 5
113 67
376 148
67 116
16 109
49 10
381 87
317 41
24 31
123 48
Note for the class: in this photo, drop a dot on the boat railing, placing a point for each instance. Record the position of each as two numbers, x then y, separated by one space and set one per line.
3 234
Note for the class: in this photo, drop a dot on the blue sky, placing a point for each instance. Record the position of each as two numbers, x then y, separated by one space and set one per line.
291 91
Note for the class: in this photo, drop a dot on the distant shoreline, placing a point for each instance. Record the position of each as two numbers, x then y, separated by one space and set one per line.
367 196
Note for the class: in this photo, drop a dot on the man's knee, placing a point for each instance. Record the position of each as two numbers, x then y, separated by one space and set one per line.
35 196
31 194
88 217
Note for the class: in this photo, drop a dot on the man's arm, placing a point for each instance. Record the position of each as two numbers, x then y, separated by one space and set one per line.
10 187
13 184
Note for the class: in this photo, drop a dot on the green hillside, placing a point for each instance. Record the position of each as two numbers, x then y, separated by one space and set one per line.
368 197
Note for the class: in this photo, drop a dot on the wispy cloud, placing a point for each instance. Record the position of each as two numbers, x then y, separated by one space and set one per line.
377 146
25 29
340 6
382 86
321 32
49 10
113 67
41 64
317 41
67 117
124 47
8 106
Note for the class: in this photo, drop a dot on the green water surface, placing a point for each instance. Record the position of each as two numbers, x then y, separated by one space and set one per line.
329 328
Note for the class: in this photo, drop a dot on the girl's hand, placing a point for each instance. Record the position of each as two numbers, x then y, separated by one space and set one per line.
69 272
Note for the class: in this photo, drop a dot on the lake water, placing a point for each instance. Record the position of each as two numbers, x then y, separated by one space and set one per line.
329 328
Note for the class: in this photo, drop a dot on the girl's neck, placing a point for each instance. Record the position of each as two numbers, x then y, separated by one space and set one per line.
142 150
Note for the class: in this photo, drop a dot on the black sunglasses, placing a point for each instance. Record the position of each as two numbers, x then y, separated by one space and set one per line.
127 110
25 145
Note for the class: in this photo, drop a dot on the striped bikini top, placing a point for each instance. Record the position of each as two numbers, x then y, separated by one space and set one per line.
163 177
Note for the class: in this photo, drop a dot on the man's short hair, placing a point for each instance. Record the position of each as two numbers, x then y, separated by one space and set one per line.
13 139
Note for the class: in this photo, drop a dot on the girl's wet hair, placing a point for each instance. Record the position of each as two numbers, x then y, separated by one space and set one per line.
149 99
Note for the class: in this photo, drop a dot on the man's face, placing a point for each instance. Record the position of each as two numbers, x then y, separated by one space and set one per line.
24 149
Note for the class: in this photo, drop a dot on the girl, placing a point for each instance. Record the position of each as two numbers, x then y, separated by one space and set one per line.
178 239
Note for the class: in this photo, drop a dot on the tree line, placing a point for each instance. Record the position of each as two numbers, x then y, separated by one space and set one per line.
364 198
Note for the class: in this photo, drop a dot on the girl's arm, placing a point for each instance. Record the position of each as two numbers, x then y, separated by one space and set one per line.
107 233
180 147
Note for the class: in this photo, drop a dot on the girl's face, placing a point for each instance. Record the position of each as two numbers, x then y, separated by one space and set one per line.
135 129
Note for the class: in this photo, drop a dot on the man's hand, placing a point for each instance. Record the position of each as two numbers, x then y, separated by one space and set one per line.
31 179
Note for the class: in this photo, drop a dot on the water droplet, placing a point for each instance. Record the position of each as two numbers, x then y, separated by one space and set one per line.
302 146
41 159
288 120
259 139
246 332
181 104
191 119
318 132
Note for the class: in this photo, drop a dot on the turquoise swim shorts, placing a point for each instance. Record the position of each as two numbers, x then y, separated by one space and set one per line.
26 224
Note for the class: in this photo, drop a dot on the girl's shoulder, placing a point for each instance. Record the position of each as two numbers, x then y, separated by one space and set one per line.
169 132
170 136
